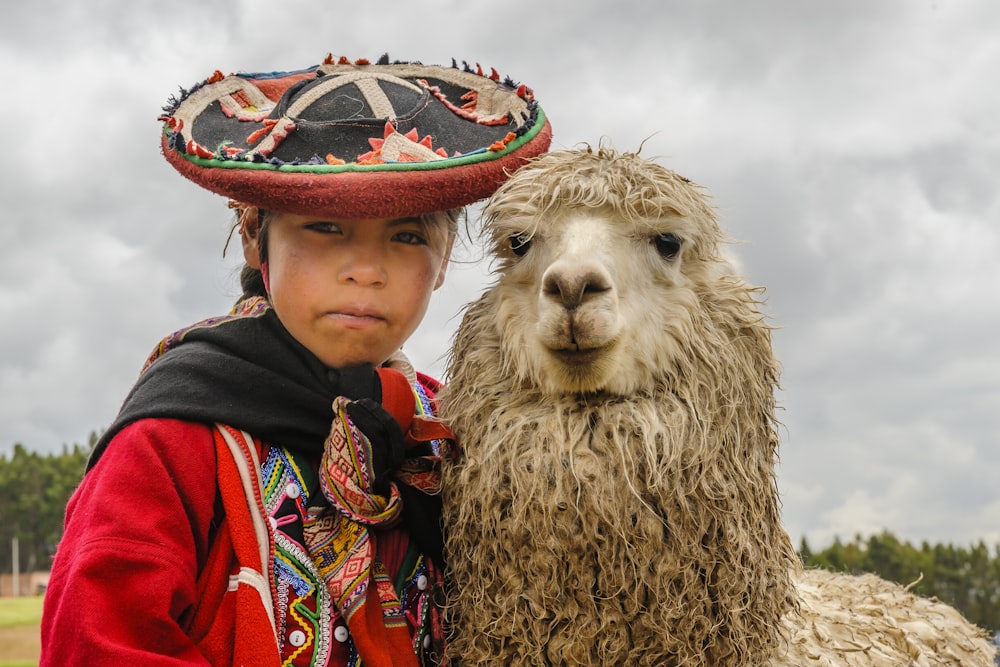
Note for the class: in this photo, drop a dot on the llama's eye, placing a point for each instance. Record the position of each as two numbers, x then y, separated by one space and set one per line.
519 244
668 245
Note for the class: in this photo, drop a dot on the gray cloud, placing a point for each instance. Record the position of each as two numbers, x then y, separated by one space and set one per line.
850 147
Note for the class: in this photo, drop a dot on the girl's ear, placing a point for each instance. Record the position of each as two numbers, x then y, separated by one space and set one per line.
444 261
250 236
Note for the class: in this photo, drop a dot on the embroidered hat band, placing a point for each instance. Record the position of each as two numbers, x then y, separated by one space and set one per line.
355 140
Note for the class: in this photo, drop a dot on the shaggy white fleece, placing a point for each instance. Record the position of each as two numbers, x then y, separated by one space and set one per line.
613 393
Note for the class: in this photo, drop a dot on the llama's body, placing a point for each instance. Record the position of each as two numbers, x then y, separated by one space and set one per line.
864 621
613 393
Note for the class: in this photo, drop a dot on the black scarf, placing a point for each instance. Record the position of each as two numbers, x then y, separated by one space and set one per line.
250 373
247 371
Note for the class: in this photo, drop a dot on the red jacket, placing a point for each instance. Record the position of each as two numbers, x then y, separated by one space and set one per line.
141 521
183 591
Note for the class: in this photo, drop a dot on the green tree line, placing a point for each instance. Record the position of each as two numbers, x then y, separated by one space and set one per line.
34 489
968 578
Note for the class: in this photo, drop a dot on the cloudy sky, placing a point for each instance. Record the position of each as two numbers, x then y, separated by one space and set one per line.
853 147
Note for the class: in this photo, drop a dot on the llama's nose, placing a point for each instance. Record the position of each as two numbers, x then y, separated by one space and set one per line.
573 286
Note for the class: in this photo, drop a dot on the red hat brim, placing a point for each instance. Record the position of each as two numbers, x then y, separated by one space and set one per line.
361 194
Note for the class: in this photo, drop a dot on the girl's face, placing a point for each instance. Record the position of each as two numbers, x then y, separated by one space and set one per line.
351 291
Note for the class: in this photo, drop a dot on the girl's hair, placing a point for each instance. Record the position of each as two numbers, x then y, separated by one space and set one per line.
440 227
251 279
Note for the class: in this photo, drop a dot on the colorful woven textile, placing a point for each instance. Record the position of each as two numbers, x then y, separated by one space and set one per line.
341 538
311 630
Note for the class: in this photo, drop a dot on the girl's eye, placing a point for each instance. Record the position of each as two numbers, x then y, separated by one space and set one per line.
323 227
520 244
410 238
668 245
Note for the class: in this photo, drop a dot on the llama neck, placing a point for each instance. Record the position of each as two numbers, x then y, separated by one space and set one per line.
611 505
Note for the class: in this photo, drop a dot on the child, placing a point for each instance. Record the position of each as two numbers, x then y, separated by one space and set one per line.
267 493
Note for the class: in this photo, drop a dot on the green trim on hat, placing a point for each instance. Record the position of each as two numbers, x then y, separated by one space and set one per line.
483 155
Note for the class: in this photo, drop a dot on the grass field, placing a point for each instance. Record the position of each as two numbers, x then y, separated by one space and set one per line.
19 641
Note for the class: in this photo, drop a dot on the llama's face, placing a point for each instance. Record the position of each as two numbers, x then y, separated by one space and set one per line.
590 302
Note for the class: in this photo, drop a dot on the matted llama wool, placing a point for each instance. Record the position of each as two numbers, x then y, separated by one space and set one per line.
616 502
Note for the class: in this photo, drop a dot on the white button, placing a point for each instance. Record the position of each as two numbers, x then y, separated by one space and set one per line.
340 633
274 522
292 490
427 641
422 582
296 638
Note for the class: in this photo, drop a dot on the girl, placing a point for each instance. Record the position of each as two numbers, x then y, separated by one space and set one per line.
267 493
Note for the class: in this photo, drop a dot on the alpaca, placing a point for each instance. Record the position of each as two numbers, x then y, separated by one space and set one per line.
615 502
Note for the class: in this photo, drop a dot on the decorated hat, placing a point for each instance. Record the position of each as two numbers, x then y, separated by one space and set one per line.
354 139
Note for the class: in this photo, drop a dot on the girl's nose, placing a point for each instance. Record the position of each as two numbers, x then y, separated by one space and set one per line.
364 267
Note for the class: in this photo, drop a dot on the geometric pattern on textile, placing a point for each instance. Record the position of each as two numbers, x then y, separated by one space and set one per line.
304 600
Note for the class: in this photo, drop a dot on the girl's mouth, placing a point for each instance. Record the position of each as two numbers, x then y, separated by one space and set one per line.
356 318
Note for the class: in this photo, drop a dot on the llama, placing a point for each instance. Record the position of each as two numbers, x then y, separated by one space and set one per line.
616 502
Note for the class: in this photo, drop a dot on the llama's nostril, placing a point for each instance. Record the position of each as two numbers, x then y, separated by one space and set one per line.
552 285
572 289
